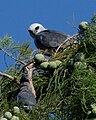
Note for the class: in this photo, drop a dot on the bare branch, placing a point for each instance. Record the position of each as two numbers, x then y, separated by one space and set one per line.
9 76
10 55
26 66
66 41
6 75
30 79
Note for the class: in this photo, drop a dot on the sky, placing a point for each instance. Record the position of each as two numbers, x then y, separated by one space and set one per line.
17 15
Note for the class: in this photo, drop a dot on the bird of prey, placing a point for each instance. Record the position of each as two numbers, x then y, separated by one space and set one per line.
25 96
45 38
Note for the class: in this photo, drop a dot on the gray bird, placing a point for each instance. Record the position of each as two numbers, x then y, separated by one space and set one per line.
25 96
44 38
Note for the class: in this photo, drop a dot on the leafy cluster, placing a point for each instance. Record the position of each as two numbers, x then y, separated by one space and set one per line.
68 91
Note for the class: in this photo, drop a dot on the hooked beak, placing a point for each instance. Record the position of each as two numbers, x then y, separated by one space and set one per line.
31 33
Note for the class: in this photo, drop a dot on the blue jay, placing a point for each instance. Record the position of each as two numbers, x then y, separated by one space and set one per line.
25 96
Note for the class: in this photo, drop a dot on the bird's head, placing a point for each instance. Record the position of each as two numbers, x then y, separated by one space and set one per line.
35 28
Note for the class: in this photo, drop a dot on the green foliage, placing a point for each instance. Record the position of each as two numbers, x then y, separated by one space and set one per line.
6 42
69 90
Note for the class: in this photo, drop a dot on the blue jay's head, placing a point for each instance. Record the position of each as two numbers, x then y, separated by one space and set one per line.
23 79
35 28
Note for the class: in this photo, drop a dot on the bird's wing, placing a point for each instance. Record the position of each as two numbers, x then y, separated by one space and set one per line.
50 38
26 97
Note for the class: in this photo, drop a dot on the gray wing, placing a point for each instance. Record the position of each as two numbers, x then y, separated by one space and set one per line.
50 38
26 97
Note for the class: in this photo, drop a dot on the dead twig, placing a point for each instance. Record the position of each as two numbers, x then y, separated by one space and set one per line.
9 76
26 66
10 55
6 75
65 42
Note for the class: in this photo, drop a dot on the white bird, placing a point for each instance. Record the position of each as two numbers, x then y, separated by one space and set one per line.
44 38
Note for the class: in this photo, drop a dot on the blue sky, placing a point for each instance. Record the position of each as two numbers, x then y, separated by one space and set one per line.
17 15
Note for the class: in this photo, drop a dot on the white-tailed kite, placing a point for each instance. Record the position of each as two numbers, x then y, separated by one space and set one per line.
44 38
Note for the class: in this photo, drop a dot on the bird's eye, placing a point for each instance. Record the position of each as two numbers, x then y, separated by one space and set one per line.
37 28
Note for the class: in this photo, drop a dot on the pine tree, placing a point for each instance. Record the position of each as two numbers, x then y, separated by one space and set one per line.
64 89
